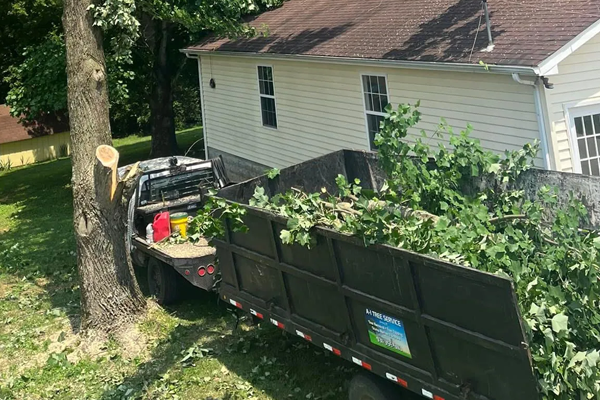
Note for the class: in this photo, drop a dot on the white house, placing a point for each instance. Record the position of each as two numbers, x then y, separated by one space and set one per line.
316 77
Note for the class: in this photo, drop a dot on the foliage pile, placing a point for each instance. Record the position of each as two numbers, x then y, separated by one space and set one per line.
421 207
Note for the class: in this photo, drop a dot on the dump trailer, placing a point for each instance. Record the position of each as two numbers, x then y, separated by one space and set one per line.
433 328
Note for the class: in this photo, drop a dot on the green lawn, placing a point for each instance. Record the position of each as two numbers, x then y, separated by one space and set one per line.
43 357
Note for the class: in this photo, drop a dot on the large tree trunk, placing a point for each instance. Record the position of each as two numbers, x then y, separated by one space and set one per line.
162 116
109 292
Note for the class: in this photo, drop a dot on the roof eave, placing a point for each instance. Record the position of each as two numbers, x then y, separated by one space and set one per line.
423 65
550 64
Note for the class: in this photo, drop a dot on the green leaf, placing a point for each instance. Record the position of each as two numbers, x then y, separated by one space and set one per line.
273 173
592 358
560 323
286 237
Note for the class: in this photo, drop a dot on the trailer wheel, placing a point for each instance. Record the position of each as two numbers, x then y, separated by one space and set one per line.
365 386
163 282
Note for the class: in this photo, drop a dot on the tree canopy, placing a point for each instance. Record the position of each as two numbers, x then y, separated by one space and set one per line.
142 43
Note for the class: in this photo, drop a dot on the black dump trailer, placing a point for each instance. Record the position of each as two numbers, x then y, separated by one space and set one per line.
434 328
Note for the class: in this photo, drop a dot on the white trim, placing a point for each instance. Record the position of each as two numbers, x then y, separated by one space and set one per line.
260 95
547 66
202 107
367 112
569 110
423 65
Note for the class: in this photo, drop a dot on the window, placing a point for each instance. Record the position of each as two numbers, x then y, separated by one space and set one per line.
376 99
587 136
267 96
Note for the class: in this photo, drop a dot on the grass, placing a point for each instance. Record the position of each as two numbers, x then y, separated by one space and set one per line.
189 351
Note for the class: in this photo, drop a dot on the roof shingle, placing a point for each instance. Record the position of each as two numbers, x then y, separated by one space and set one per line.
525 32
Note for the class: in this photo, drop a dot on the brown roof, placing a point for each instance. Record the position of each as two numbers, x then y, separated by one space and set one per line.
525 32
11 130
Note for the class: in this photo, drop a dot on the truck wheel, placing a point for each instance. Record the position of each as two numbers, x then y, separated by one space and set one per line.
366 386
163 282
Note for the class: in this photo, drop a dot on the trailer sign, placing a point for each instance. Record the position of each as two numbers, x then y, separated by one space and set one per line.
387 332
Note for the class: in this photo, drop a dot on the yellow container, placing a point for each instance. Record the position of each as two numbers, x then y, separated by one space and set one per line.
179 224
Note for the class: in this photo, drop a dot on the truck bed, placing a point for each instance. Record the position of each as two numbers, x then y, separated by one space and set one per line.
177 255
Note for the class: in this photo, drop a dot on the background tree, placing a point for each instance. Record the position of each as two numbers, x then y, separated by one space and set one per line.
167 27
153 88
24 23
109 291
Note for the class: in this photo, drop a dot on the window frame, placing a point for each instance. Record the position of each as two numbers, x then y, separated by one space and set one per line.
577 110
260 96
367 112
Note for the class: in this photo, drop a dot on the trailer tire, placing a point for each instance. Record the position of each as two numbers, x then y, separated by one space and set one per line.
366 386
163 282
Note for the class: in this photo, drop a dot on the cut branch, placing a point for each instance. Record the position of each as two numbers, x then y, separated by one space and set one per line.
508 218
106 168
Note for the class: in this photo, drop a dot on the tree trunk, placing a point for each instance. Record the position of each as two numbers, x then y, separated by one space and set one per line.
162 116
110 294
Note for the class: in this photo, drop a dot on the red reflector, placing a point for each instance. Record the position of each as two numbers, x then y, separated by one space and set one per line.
187 271
436 397
402 382
210 269
201 271
366 365
337 352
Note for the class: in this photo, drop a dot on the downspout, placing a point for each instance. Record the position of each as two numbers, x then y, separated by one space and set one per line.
202 107
540 117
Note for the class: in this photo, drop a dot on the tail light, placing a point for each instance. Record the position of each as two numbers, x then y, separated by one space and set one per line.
210 269
201 271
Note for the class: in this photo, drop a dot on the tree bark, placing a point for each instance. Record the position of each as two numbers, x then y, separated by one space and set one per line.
110 294
162 116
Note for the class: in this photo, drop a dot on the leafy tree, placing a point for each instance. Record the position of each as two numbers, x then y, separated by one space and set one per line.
151 86
165 28
38 84
24 23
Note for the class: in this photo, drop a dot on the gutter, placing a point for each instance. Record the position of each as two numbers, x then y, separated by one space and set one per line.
540 117
423 65
202 108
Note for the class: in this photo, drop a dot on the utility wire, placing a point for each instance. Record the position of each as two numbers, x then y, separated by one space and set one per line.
476 33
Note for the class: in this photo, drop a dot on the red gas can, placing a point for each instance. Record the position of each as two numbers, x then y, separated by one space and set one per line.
161 226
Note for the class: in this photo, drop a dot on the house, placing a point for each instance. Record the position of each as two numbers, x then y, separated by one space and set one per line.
317 76
29 142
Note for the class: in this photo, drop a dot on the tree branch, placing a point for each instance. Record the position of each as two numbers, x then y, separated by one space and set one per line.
507 218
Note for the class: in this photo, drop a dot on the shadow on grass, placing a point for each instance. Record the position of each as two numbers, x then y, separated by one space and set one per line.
38 245
39 248
208 358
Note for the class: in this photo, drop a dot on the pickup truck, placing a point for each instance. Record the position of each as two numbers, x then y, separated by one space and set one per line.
173 184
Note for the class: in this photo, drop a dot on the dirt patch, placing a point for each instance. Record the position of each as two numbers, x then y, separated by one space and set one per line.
133 343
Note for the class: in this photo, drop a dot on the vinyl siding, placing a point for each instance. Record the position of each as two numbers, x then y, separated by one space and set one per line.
320 107
34 150
578 80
